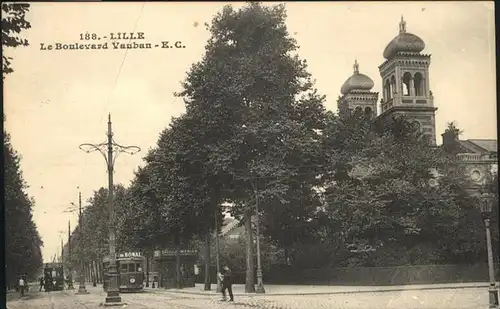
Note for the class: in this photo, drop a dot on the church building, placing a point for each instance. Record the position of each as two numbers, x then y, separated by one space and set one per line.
406 91
405 80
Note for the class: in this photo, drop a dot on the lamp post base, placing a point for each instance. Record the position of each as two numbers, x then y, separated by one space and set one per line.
260 284
493 293
113 304
260 289
113 300
82 290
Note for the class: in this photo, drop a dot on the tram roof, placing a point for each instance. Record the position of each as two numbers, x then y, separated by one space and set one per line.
125 258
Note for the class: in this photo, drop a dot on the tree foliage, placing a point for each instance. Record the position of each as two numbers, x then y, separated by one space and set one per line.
13 22
22 241
390 191
261 124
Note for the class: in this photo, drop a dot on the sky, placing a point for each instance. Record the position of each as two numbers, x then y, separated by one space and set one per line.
56 100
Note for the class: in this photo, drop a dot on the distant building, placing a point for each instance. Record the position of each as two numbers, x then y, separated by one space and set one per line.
478 155
233 229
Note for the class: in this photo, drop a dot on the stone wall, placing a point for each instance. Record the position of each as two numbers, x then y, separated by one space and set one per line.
402 275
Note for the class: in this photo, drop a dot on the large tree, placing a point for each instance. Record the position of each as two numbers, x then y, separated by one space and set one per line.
260 112
22 242
13 22
390 192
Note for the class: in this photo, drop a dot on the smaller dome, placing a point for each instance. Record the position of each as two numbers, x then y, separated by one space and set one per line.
404 42
357 81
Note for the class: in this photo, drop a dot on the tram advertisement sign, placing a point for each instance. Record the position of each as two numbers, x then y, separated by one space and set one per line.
129 254
174 252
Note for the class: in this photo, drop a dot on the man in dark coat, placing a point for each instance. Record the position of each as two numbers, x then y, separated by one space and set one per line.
227 282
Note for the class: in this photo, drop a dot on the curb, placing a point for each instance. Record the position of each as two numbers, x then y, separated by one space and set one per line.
210 293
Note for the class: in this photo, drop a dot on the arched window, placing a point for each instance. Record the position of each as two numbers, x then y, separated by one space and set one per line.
393 85
406 84
388 89
418 82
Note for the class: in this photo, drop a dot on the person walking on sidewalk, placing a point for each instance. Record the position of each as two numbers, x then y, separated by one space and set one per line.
22 283
41 284
227 282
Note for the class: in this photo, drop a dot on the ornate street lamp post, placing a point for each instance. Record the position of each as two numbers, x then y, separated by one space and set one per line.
70 269
110 150
260 283
486 210
81 285
219 284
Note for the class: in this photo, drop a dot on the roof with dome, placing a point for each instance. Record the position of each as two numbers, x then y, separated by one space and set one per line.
357 81
404 42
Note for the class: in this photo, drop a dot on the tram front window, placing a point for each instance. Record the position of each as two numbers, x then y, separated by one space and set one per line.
131 268
124 268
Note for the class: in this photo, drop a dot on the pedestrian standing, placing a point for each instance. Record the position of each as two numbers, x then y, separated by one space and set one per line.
227 282
21 286
41 284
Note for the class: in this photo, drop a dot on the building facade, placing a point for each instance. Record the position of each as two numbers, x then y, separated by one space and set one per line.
479 157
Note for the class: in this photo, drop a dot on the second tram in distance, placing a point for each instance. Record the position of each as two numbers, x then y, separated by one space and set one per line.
130 272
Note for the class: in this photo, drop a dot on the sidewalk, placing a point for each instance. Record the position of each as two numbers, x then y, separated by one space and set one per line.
239 289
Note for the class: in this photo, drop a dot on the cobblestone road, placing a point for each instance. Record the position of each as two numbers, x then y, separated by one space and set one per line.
435 299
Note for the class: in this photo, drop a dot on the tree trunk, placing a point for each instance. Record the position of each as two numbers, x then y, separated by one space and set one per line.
178 267
98 267
94 270
147 268
91 268
207 262
86 272
249 278
101 270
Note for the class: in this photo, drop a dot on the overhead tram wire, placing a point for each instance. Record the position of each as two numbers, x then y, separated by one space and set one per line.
121 66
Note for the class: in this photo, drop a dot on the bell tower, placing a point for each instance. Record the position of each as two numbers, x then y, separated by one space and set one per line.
356 94
405 80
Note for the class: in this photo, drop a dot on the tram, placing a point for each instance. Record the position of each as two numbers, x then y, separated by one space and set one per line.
130 271
53 277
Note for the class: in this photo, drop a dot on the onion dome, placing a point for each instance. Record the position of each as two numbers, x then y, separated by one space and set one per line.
404 42
357 81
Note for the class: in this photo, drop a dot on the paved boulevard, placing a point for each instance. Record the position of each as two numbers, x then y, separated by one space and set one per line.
470 298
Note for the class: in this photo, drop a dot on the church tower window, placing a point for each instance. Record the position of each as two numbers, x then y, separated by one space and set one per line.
406 84
419 84
393 85
388 90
